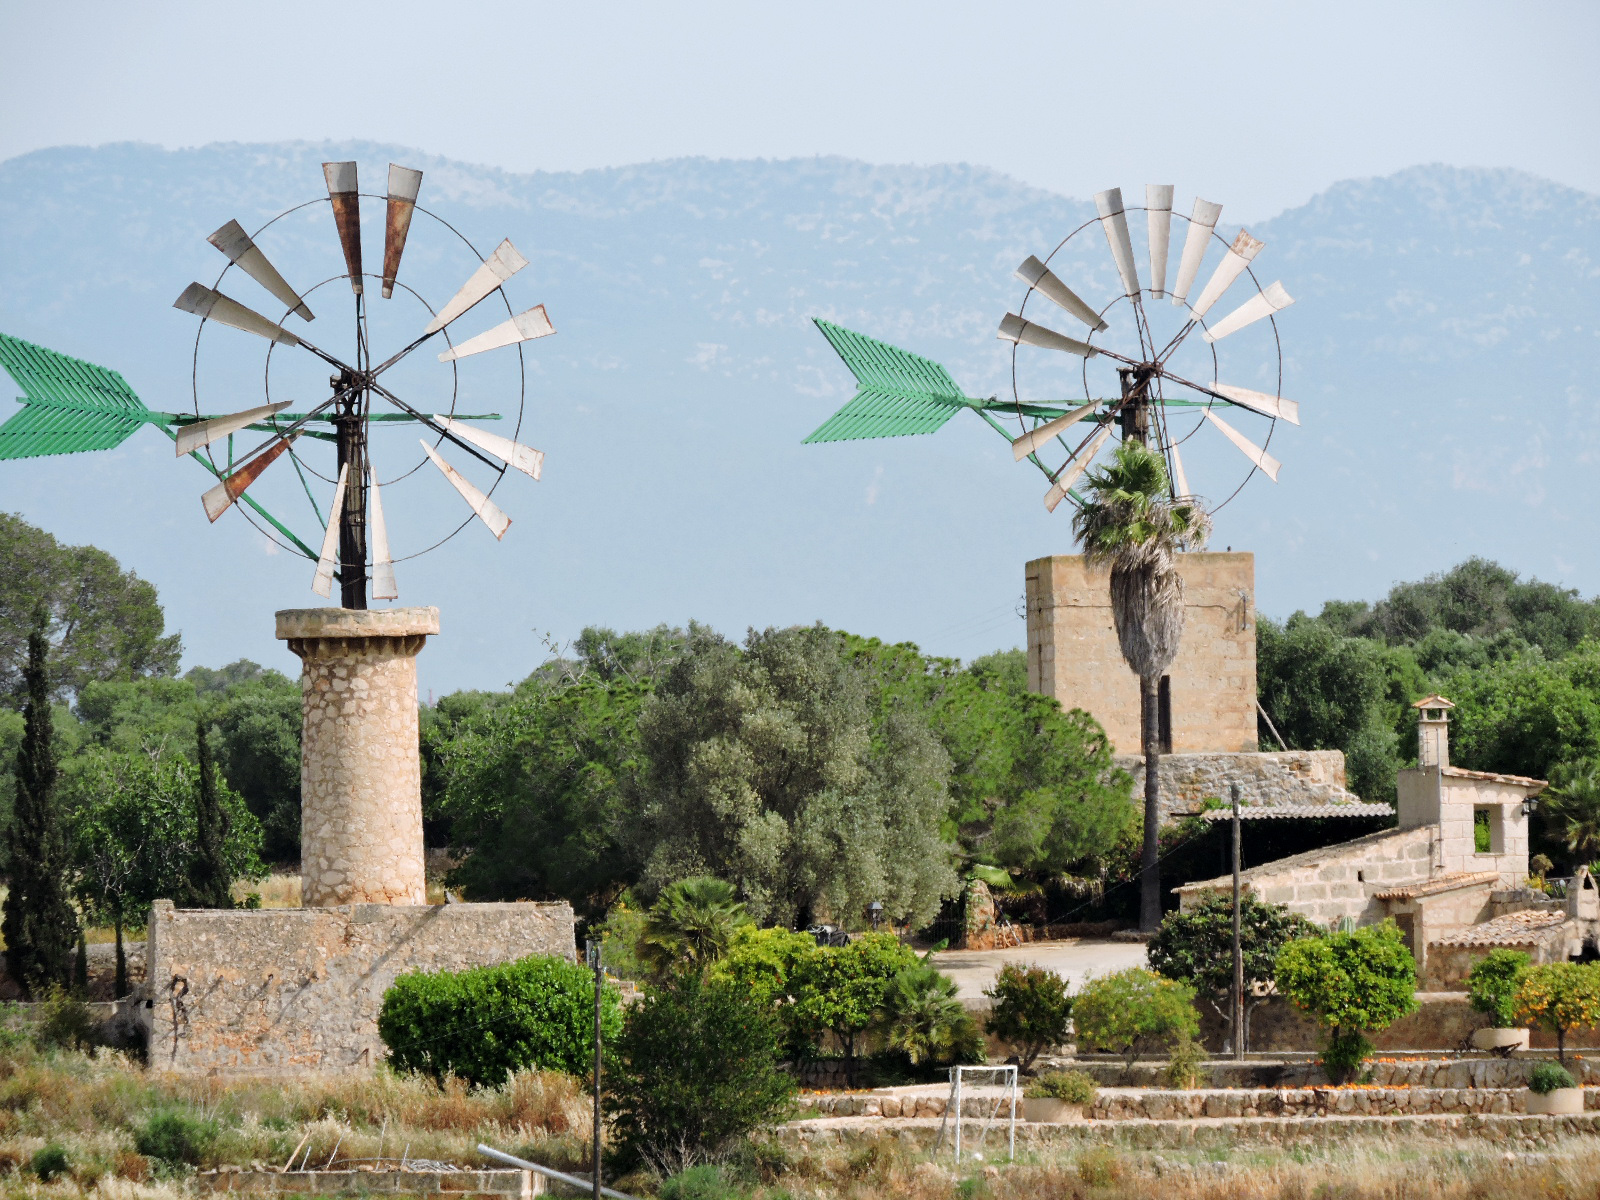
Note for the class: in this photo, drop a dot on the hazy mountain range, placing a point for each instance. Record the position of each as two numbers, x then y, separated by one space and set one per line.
1442 346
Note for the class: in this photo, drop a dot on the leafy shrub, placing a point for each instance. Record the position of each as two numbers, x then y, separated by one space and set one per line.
1075 1087
1129 1012
705 1182
485 1023
176 1138
768 964
1492 985
966 1043
1549 1076
1350 983
66 1022
1186 1063
1559 996
694 1072
1031 1010
49 1161
842 989
921 1013
691 924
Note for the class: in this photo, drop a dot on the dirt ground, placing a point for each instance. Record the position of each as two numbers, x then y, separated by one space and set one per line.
1073 958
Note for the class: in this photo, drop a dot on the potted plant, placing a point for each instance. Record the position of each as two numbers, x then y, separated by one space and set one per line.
1058 1096
1552 1090
1492 990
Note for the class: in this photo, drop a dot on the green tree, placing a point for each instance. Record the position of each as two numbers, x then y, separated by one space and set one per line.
1197 948
691 925
1526 715
1572 807
1350 984
101 622
921 1013
768 965
1030 1012
1132 1012
257 719
1560 997
1131 525
772 768
39 925
210 878
694 1073
842 989
1493 982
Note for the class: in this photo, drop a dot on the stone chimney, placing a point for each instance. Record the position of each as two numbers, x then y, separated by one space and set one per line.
1433 731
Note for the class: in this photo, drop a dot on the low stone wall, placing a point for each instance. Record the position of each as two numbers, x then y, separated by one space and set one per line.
293 989
1476 1072
1311 1102
433 1185
1276 778
102 970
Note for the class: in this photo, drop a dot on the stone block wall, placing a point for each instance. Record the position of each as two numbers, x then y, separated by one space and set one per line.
294 989
1277 778
1073 653
1335 882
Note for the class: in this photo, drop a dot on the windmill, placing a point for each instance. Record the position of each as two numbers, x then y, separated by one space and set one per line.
71 406
1164 386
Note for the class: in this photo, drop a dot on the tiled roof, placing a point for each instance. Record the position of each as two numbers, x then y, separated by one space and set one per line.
1439 883
1492 777
1255 812
1527 927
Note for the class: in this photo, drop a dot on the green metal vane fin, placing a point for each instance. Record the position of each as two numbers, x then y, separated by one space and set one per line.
68 405
899 393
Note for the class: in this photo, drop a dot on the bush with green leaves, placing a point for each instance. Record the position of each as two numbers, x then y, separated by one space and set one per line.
49 1161
921 1014
842 990
768 964
1031 1010
1560 997
694 1072
485 1023
1548 1077
705 1182
1186 1063
177 1138
1075 1087
1350 984
1493 982
1132 1012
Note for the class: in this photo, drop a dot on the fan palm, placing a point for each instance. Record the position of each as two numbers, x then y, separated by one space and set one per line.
920 1010
1131 524
1573 806
690 925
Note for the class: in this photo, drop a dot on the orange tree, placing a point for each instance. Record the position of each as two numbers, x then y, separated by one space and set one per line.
1560 997
1350 983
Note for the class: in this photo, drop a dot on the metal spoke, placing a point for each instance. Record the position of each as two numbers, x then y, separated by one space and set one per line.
433 425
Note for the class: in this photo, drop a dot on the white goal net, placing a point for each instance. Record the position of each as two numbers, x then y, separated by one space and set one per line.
990 1096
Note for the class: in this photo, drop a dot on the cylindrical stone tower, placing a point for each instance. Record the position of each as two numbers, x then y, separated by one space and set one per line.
360 780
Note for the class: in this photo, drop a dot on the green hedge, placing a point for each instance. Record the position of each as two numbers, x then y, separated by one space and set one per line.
485 1023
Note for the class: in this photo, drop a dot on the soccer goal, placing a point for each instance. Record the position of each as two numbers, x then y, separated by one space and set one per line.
973 1083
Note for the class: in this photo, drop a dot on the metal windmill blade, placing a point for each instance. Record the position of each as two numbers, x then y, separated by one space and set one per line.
1201 224
1025 333
1039 277
1232 266
383 584
1158 213
211 305
1272 299
322 583
1029 442
1073 471
404 187
524 327
218 500
1115 223
488 512
345 193
485 281
202 433
237 246
524 458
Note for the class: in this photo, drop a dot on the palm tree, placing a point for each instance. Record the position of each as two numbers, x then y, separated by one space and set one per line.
920 1011
1574 807
1132 525
690 925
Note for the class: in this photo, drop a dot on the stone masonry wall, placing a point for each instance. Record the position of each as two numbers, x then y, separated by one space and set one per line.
1277 778
1073 653
1337 881
294 989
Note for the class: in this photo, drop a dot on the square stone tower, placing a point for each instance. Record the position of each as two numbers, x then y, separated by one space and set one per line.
1208 698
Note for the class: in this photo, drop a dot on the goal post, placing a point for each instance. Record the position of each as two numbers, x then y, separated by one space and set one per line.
962 1080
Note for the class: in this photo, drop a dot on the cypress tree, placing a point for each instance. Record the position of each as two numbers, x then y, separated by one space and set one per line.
40 925
209 878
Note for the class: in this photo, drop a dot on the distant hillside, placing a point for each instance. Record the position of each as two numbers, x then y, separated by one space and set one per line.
1442 348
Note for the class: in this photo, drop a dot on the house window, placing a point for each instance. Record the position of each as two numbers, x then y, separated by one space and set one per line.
1487 835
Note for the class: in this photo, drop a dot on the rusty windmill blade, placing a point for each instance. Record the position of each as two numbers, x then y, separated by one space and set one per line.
524 327
1158 215
524 458
486 508
1244 249
1201 222
383 585
1043 280
210 305
404 184
496 269
345 193
202 433
1115 223
243 253
220 498
1073 470
322 582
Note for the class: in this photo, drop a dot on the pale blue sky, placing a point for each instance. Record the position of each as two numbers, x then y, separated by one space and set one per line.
1263 103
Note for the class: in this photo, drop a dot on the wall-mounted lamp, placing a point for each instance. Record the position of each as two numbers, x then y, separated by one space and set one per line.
1529 805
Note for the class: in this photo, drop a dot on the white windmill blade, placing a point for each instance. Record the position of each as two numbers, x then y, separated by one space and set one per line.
1249 449
1158 212
1028 442
200 300
1115 223
322 583
1025 333
203 433
487 512
1201 223
496 269
1244 249
1262 304
404 184
383 585
1179 478
1043 280
524 327
524 458
1260 402
243 253
344 193
1070 473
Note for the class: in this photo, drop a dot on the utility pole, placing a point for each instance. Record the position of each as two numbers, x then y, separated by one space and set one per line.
592 952
1238 952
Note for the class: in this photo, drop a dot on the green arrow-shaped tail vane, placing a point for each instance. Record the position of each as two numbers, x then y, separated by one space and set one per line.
68 405
899 393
